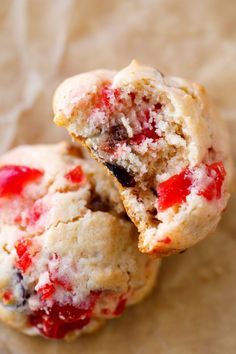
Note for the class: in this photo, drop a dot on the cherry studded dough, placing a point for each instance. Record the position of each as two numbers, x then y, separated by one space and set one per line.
164 143
68 253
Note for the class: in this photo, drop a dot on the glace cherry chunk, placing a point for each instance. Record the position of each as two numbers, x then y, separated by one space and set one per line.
217 173
56 321
146 133
46 291
26 251
14 178
76 175
22 247
175 190
120 306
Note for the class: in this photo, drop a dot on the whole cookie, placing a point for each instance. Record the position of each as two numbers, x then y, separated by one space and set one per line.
68 252
162 140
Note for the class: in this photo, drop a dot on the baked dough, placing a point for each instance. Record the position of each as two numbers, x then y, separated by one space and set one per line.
68 252
162 140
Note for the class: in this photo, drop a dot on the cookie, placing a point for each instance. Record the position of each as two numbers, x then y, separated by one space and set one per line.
68 252
162 140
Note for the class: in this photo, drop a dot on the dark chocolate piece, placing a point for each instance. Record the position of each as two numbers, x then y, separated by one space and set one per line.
24 296
123 176
118 133
154 192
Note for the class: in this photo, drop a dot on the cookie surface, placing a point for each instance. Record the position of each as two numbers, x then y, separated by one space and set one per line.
68 252
162 140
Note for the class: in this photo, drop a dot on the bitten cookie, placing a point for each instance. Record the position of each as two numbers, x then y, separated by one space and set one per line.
68 253
164 143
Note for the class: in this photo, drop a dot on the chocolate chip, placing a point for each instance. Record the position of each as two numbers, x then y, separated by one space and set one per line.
152 212
154 192
118 133
19 276
123 176
24 293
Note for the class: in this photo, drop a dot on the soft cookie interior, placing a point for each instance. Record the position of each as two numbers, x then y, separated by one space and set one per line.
159 137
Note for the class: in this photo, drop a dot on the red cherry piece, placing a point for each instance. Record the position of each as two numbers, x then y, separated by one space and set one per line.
76 175
174 190
107 97
7 296
146 133
13 179
34 214
25 258
24 262
116 94
106 312
120 307
46 291
18 219
137 139
58 320
217 173
166 240
64 283
22 246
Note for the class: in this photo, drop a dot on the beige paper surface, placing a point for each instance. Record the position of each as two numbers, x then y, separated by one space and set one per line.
193 309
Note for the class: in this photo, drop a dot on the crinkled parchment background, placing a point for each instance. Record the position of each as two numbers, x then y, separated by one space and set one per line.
193 308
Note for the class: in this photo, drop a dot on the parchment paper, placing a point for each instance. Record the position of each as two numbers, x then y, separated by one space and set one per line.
192 310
